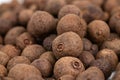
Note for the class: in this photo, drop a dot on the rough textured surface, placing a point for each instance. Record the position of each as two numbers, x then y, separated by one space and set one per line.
68 65
41 23
17 60
13 34
33 52
98 33
110 55
69 9
44 66
24 40
67 44
11 50
4 58
92 73
21 71
72 22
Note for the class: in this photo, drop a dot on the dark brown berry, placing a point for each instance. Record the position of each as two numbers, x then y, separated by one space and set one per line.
72 22
67 44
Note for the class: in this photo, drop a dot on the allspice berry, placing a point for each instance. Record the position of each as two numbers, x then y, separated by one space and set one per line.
67 44
44 66
97 2
5 26
11 16
33 52
24 40
41 23
104 65
17 60
82 4
4 58
48 56
87 44
110 55
98 31
114 19
3 71
93 12
47 42
24 16
12 34
113 36
86 57
113 45
72 22
68 66
109 5
21 71
39 3
11 50
69 9
54 6
92 73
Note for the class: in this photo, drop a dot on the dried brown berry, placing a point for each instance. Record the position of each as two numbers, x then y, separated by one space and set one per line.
98 31
11 16
21 71
47 43
67 44
109 5
17 60
114 19
113 45
11 50
86 57
92 73
39 3
104 65
44 66
33 52
24 40
113 36
97 2
48 56
41 23
3 71
87 44
69 9
68 66
24 16
53 6
82 4
4 58
93 12
12 34
5 26
72 22
94 49
110 55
